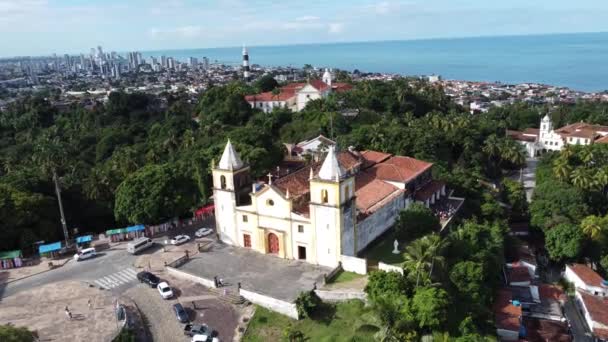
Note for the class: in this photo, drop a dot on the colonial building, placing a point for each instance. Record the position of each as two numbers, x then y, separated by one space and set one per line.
537 141
295 96
323 211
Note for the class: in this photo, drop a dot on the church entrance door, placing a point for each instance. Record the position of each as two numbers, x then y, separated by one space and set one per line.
247 240
273 244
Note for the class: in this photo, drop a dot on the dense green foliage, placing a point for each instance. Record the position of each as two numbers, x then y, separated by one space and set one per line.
416 221
9 333
306 304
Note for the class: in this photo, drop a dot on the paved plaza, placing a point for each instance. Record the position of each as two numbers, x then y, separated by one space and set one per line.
43 310
279 278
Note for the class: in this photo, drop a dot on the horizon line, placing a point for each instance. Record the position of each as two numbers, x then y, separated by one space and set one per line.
329 43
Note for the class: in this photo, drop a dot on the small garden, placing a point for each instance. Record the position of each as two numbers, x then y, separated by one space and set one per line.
347 321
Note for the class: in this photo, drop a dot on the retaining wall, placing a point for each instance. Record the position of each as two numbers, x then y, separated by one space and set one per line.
389 268
282 307
352 264
341 295
188 276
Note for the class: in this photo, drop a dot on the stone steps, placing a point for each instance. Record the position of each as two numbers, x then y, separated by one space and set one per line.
230 296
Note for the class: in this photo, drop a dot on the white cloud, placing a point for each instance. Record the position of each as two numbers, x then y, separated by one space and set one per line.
335 28
183 32
308 18
383 7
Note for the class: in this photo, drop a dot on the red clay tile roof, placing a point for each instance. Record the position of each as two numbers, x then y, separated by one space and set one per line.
284 95
348 160
506 315
542 330
399 169
531 131
601 333
428 190
587 275
370 191
597 307
583 133
553 292
519 136
602 140
289 91
519 273
297 182
373 157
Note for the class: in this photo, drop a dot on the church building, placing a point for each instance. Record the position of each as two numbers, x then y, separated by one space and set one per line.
537 141
295 96
320 212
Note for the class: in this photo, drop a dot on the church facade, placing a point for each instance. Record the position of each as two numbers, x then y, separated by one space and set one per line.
322 211
537 141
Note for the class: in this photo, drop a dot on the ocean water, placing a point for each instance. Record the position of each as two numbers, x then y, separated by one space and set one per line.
577 61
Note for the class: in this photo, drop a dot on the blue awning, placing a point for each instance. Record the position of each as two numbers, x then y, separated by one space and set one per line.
49 248
83 239
135 228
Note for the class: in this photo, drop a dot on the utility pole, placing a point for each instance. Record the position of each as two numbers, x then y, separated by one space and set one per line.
63 223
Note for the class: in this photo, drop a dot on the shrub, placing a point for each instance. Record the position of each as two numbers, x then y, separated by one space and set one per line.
306 303
293 335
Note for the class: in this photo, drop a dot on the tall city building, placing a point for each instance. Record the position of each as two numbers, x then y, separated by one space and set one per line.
163 61
170 63
206 63
193 61
245 64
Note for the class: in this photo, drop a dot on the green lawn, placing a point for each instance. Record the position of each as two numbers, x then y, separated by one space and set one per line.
382 250
347 321
344 277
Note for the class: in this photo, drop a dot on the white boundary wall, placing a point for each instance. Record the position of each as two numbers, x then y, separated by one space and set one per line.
352 264
282 307
389 268
188 276
341 295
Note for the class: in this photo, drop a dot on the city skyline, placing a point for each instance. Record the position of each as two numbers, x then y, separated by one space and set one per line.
73 26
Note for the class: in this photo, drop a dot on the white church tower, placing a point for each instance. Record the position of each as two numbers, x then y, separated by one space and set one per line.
331 210
546 126
230 188
327 77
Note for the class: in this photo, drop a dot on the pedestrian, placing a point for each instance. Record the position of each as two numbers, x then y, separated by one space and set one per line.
89 304
68 313
221 282
215 282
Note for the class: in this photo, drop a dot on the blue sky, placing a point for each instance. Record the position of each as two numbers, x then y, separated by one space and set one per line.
34 27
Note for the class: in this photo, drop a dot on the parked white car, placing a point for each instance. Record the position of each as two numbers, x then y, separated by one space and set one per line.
85 254
165 290
203 232
179 239
204 338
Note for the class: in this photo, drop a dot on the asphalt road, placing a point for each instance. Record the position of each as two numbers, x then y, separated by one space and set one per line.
105 263
579 328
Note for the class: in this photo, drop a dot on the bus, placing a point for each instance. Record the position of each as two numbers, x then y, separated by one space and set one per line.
139 244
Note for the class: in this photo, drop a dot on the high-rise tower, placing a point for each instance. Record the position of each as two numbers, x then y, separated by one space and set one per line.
245 64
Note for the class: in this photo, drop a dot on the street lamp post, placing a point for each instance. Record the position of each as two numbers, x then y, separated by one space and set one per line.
63 223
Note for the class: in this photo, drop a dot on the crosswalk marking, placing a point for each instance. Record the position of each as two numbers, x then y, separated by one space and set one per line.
117 278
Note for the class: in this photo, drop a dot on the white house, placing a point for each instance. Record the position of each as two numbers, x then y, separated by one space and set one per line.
586 279
595 310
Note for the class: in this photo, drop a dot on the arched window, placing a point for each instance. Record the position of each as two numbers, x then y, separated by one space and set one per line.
223 182
324 196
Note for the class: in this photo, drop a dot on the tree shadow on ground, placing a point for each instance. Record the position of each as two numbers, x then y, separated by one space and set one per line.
324 313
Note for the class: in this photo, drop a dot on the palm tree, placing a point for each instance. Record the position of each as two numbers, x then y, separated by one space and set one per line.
492 146
587 156
582 178
422 255
562 169
601 179
593 226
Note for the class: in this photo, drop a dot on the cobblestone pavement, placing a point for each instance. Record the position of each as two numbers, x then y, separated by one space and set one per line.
202 307
43 309
158 314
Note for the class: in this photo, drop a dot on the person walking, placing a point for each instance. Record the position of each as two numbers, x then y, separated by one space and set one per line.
68 313
89 304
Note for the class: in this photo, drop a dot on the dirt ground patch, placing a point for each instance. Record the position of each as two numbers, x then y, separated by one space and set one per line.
43 310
